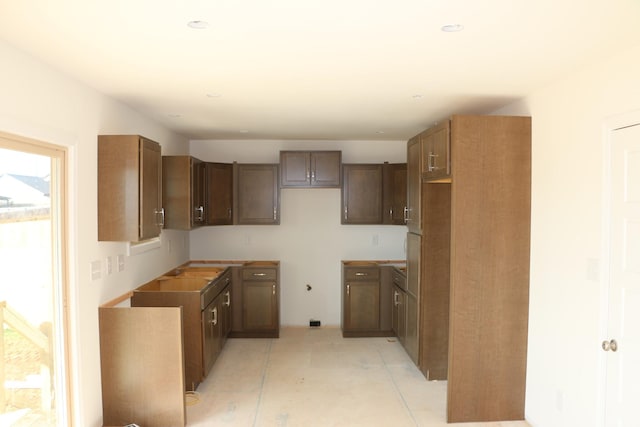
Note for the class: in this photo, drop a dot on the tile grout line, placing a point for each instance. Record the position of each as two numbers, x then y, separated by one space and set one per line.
395 386
264 376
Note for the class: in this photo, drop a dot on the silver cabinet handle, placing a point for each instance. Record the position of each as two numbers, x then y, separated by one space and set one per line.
273 289
274 214
361 274
406 214
228 299
160 213
200 213
348 289
395 297
431 162
308 175
313 176
214 312
259 274
229 212
346 212
610 345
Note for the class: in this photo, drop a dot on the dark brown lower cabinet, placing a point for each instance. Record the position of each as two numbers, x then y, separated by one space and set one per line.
216 325
366 300
201 313
399 314
257 293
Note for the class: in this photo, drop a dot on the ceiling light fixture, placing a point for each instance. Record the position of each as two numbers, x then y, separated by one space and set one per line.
198 25
244 131
452 28
417 97
174 115
214 95
379 132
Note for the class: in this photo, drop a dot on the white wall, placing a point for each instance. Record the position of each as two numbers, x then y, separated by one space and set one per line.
310 242
38 102
566 317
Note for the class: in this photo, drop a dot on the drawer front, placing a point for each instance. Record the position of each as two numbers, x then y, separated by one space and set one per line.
362 273
250 273
399 279
214 289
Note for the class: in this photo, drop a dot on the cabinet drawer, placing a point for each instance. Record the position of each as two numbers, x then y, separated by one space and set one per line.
259 274
214 289
362 273
399 279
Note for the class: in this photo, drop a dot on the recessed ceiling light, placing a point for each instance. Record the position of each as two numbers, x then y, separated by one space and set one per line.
417 97
452 28
379 132
244 131
198 25
214 95
174 116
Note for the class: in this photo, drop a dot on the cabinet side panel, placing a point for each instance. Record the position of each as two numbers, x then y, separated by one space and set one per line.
434 296
491 167
118 191
142 366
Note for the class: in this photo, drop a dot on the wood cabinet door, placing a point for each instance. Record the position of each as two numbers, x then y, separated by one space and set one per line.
399 321
326 168
436 159
150 189
411 340
209 336
218 193
310 169
295 169
258 194
260 310
362 194
362 306
394 193
414 183
197 192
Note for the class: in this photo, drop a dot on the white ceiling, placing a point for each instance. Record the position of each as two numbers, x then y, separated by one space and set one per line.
316 69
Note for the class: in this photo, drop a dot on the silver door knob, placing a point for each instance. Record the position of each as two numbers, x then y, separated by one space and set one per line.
610 345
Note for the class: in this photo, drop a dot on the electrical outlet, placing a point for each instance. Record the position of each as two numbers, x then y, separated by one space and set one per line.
108 265
96 269
120 260
314 323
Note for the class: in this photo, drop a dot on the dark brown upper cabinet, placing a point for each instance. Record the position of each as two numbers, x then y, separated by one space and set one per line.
129 188
394 193
257 194
315 169
361 194
219 193
374 193
183 191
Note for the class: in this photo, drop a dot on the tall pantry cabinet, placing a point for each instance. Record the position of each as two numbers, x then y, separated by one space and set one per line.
475 195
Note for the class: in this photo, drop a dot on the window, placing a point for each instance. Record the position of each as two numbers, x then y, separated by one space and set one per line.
33 284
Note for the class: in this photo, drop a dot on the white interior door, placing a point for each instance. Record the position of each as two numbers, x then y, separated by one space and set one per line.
623 341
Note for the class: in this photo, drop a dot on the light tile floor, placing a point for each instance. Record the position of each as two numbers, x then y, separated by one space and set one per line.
314 377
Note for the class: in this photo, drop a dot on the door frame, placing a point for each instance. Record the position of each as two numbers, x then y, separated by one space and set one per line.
60 252
610 125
